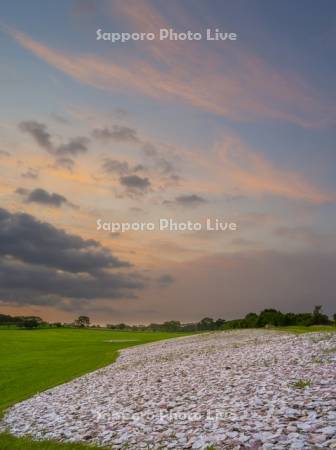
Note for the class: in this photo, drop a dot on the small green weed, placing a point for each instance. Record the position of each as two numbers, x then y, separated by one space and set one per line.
302 383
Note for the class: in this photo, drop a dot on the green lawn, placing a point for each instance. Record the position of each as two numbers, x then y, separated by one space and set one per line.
310 329
9 442
32 361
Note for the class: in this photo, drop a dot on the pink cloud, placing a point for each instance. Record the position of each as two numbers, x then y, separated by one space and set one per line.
244 88
234 168
250 173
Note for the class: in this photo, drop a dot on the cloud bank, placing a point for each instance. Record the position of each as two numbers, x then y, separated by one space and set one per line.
43 265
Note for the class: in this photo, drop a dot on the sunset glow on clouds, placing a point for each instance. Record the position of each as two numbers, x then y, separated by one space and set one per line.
243 131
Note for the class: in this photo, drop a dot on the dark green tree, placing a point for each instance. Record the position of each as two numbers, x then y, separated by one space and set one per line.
219 323
206 324
251 320
318 317
172 325
82 321
30 322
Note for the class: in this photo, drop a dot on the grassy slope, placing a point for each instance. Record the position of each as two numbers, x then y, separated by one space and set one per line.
311 329
35 360
9 442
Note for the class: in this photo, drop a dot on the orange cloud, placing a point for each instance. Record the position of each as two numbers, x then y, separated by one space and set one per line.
234 168
251 173
245 85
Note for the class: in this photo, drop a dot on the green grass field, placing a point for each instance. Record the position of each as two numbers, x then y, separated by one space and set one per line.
32 361
311 329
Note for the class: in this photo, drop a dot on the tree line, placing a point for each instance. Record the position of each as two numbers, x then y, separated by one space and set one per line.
36 322
22 321
266 318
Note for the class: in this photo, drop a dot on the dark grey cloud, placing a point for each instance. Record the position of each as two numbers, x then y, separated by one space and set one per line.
42 196
116 166
24 284
65 162
42 264
30 173
186 200
134 182
4 153
39 195
121 168
14 274
25 238
139 168
74 147
190 200
116 133
155 159
39 132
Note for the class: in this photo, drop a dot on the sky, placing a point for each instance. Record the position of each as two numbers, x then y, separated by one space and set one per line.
242 131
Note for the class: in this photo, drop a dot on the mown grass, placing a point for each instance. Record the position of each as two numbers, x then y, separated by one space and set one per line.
311 329
9 442
32 361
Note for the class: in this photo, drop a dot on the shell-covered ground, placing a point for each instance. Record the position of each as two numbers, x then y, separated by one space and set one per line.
230 390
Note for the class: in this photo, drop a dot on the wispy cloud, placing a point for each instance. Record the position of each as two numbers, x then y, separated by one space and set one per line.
65 163
30 174
187 200
116 133
246 88
251 173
